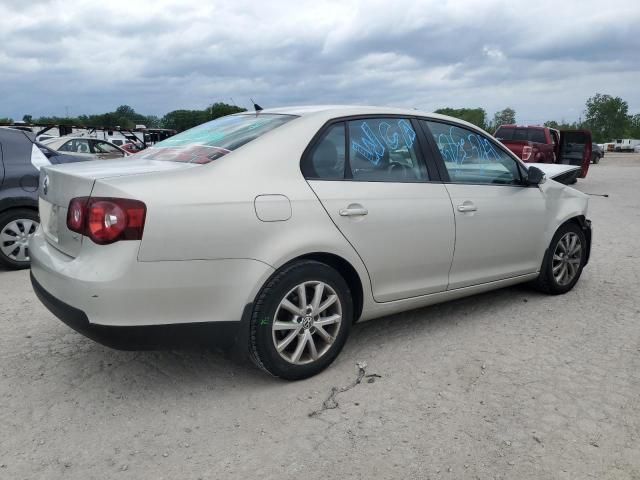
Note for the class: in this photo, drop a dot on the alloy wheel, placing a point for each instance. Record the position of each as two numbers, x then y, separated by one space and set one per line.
14 239
566 258
307 322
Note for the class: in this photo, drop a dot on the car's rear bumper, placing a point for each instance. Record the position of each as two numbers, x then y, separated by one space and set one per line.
218 334
111 288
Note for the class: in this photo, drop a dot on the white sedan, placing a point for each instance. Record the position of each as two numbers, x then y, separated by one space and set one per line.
277 230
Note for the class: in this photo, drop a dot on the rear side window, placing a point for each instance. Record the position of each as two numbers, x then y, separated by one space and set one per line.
212 140
327 158
384 150
528 134
537 135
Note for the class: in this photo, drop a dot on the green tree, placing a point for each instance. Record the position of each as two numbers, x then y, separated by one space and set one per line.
477 116
27 118
6 120
504 117
634 126
220 109
562 125
152 121
184 119
607 117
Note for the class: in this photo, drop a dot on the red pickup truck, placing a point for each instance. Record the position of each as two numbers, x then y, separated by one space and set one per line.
547 145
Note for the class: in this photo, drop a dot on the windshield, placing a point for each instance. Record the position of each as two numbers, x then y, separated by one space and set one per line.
212 140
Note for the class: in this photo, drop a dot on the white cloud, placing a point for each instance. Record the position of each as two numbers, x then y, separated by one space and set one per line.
543 59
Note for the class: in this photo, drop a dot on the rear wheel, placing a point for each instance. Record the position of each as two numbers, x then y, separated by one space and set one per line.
16 228
301 320
564 260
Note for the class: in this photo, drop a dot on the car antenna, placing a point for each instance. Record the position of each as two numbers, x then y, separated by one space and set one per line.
256 107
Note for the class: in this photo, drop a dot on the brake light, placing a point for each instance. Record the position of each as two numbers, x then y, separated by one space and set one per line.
107 220
526 152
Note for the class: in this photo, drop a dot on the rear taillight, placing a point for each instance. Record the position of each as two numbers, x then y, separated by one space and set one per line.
107 220
526 153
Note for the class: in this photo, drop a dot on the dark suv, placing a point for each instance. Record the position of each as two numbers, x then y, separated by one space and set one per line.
20 161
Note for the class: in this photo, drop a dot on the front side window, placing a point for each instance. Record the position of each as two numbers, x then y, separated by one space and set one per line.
472 158
212 140
327 158
104 147
384 150
78 145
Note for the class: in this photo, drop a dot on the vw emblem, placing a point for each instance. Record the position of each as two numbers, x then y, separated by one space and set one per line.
307 322
45 184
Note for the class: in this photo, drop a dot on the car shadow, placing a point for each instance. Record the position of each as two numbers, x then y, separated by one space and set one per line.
192 368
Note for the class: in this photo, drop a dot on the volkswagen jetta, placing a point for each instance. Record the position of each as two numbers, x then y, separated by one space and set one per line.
277 230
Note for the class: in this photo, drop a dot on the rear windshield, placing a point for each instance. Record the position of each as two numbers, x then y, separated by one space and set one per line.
212 140
531 134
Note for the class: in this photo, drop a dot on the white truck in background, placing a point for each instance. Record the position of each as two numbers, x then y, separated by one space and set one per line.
626 144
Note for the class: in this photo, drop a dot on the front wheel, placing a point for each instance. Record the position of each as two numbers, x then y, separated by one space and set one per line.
564 260
301 320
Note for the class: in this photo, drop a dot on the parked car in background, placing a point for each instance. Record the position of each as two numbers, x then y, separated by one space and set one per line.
597 153
626 144
89 148
530 144
44 137
133 147
20 161
285 227
548 145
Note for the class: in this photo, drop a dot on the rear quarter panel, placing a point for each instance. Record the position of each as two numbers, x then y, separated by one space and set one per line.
208 212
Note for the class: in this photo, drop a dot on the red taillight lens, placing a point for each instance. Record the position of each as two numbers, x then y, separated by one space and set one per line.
107 220
76 214
526 153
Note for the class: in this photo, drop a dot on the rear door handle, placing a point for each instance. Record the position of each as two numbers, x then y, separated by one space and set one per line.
467 207
353 211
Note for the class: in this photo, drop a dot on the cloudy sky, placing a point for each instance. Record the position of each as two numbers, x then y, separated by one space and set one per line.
543 58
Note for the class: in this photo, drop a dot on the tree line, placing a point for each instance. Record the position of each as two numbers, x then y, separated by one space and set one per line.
606 116
126 117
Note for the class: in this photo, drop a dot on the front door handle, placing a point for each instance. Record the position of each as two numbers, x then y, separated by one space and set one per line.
467 207
353 211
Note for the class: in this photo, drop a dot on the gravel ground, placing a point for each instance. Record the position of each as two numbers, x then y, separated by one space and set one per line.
510 384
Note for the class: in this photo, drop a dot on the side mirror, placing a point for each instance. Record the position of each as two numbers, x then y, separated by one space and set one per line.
535 176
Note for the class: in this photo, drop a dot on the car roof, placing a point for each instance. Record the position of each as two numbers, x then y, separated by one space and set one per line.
17 132
336 111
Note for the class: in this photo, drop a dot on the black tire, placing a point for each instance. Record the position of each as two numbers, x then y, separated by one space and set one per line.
546 281
262 349
596 160
5 219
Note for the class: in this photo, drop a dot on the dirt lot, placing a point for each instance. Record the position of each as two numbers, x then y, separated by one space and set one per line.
511 384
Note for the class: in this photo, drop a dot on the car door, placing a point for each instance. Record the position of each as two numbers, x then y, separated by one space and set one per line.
575 149
371 178
500 222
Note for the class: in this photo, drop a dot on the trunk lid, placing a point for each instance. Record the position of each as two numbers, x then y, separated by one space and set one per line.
60 183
